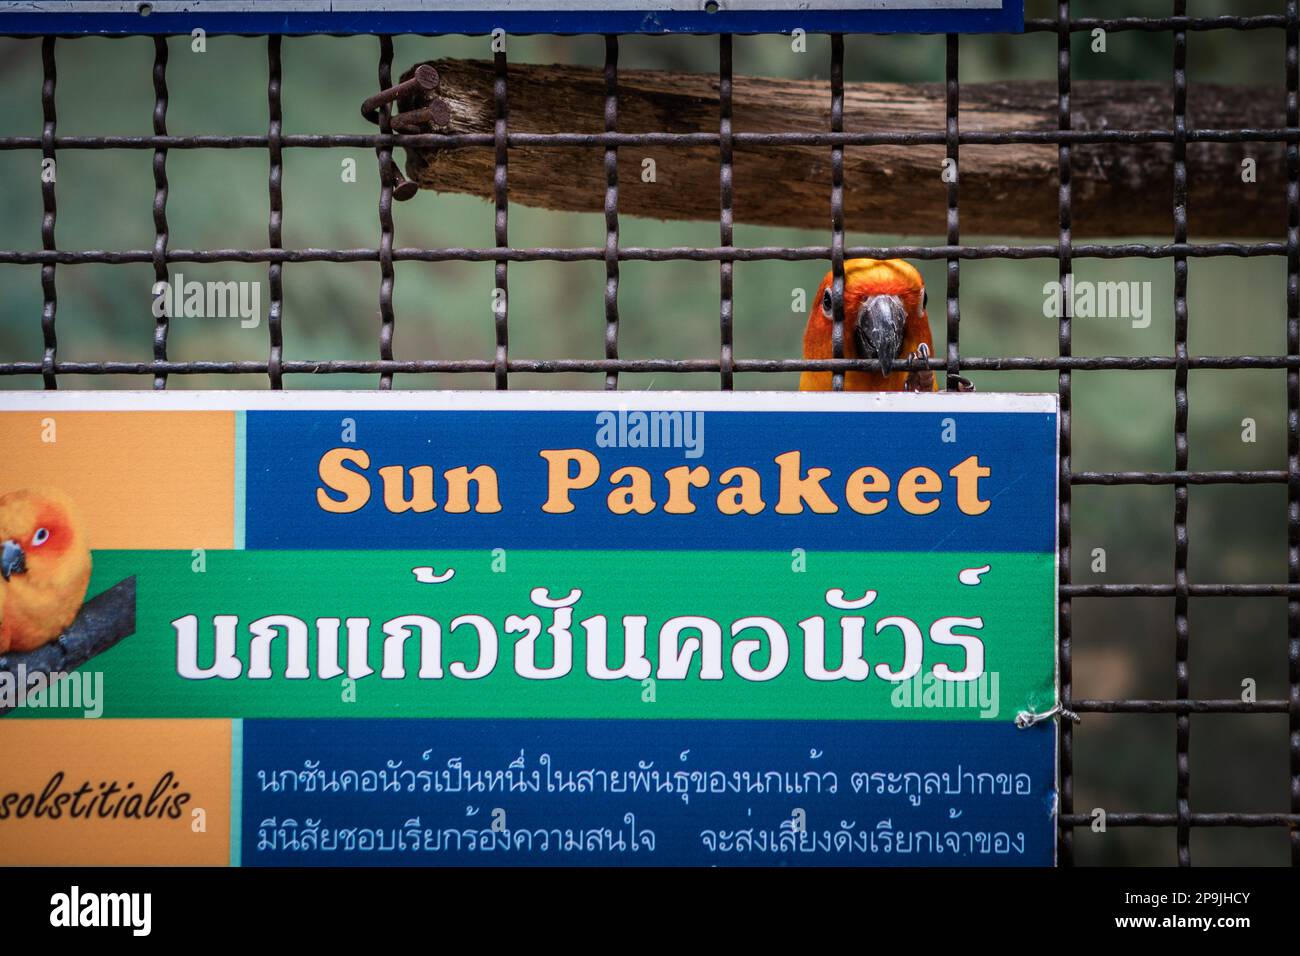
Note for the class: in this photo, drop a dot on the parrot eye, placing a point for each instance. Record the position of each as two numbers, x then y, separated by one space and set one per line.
925 299
40 537
826 301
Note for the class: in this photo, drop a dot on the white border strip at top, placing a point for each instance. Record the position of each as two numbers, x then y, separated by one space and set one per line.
373 400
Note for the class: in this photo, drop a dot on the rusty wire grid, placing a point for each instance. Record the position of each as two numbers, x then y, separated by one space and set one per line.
1064 251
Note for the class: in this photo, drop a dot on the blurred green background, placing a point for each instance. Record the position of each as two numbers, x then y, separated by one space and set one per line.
1122 420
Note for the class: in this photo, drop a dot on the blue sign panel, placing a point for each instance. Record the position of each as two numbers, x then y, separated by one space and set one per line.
513 16
552 490
665 792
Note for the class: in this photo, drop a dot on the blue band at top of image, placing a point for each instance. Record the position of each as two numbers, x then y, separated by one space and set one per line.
117 17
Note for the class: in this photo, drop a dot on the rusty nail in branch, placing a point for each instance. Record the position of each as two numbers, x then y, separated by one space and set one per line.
436 115
403 188
425 78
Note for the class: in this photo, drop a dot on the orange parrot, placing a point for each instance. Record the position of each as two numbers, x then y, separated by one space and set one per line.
884 318
44 568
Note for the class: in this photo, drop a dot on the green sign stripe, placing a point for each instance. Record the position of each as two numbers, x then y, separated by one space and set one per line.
1014 601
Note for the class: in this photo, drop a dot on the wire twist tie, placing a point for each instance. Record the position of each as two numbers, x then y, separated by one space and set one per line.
1027 718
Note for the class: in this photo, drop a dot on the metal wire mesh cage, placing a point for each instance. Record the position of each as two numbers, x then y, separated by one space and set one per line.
1252 801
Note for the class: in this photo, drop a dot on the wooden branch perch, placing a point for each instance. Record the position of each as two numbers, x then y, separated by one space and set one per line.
101 623
1118 189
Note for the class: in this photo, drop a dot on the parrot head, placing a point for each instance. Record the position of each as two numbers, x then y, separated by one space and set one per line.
884 318
45 567
38 533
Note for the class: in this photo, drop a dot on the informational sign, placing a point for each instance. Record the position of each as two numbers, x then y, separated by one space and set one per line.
512 16
417 628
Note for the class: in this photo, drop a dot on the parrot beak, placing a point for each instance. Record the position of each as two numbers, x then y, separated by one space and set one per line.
880 329
12 559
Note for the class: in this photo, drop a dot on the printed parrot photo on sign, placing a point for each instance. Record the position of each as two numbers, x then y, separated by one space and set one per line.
45 566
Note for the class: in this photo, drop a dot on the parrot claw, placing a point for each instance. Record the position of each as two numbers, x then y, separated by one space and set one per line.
919 380
922 380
